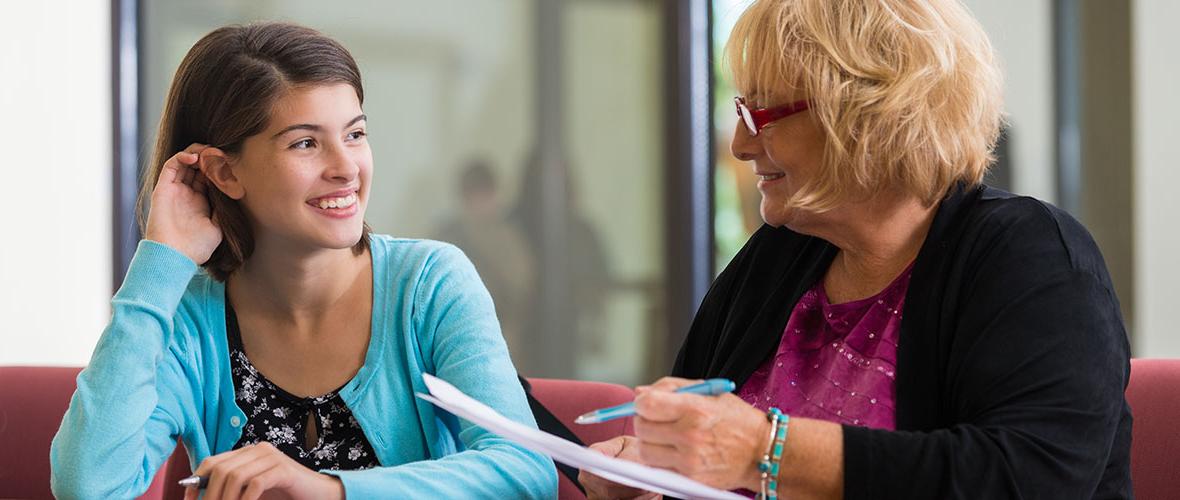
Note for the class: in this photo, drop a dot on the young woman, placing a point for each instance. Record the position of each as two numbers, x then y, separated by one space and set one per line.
291 362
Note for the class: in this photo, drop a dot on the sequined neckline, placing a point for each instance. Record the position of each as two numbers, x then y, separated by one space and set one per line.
899 282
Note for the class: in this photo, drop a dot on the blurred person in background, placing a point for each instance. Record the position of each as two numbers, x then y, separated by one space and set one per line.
496 247
590 273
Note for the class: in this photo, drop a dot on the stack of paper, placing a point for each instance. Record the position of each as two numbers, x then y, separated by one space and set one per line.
447 397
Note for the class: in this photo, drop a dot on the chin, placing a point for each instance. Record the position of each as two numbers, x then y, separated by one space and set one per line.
342 239
348 242
777 216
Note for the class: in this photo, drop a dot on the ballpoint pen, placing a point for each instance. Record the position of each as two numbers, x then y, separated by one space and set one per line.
711 387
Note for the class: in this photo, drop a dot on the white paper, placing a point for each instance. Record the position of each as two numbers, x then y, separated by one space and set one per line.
447 397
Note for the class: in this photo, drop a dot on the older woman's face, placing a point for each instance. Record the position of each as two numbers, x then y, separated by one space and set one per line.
785 155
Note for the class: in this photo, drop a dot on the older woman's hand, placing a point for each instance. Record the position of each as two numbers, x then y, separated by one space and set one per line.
717 440
597 488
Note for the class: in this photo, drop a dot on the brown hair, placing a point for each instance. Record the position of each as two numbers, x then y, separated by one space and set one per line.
222 94
909 94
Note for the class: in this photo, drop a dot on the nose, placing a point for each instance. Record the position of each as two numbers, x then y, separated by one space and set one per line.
744 147
342 166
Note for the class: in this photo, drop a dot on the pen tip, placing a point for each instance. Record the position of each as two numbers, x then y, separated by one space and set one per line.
581 420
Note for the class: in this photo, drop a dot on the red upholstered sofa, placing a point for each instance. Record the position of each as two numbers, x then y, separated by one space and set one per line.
1154 396
33 400
567 399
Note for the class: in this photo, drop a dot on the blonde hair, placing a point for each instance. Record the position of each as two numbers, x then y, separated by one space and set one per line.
908 93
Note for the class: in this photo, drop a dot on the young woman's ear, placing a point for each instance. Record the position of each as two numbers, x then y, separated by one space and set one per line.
218 168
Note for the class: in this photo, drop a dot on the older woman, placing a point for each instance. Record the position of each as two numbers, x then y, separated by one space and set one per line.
924 336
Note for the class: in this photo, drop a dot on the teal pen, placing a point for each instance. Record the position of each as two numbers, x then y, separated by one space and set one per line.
711 387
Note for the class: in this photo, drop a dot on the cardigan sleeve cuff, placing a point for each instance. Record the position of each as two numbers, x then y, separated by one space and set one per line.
365 484
858 470
158 275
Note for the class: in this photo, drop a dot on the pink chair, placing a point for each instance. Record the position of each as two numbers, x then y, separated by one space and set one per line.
567 399
1154 396
174 470
32 402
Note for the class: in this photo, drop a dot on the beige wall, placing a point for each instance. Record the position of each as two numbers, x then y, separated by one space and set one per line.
55 135
1021 33
1157 177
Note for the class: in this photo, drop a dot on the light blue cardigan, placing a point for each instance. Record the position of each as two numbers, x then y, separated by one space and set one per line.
161 372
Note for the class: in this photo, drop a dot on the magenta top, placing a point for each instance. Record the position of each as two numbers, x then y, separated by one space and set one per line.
835 362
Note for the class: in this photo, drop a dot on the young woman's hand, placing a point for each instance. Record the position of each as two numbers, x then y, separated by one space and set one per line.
180 216
597 488
249 472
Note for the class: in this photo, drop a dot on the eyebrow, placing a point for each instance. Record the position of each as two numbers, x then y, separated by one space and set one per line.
316 128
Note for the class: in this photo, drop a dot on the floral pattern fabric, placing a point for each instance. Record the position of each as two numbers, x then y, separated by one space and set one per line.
281 418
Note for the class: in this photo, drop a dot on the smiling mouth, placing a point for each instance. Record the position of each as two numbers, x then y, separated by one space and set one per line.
771 177
335 203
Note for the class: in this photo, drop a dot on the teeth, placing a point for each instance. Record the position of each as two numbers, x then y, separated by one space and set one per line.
343 202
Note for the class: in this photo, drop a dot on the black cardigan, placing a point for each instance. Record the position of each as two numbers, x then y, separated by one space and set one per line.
1011 365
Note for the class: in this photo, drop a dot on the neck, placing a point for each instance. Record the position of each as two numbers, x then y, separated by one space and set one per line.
292 284
878 238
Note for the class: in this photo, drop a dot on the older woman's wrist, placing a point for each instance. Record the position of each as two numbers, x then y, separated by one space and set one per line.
812 464
769 453
764 434
771 462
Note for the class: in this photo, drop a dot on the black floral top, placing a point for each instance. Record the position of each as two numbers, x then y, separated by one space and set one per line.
281 418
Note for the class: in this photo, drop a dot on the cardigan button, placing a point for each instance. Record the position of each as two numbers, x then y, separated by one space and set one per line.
235 421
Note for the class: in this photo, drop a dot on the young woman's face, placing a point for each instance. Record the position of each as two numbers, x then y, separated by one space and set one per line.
306 177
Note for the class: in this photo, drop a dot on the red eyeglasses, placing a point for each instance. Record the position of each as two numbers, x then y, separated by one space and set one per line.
757 118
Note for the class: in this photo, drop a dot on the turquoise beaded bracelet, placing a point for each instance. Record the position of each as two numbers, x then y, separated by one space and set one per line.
769 465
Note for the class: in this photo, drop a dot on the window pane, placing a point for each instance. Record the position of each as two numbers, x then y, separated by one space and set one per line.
452 93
